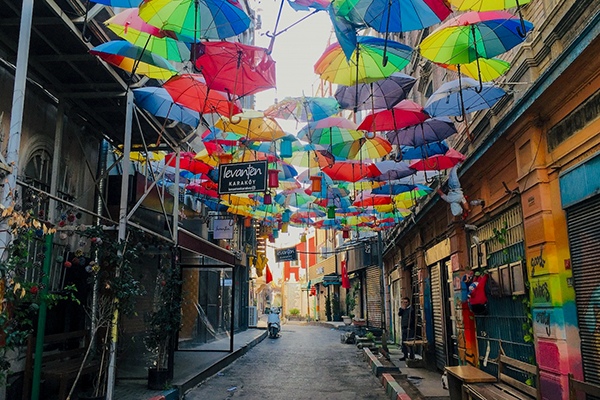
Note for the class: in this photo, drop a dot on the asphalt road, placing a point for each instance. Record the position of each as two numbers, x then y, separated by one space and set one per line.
305 362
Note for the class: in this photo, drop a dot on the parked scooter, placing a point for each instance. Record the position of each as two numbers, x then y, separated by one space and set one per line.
274 323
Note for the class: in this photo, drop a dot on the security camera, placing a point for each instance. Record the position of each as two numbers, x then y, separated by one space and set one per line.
476 240
470 227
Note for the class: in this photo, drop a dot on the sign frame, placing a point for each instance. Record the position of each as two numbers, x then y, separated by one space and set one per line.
253 184
286 254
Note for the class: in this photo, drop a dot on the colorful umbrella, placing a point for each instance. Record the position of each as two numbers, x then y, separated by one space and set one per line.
134 59
128 25
472 36
190 90
304 109
489 69
350 171
381 94
306 5
158 102
492 5
403 114
236 68
119 3
429 131
188 163
428 150
365 148
439 162
204 19
366 65
311 156
390 170
294 198
259 129
393 15
462 97
395 188
373 200
329 131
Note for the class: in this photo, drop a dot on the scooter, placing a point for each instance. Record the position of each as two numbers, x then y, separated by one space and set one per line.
273 323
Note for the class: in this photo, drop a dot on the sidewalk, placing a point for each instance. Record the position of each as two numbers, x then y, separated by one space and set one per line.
191 368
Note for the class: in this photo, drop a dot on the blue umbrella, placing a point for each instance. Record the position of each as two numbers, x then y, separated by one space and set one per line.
345 31
429 131
158 101
119 3
382 94
304 108
391 170
428 150
460 97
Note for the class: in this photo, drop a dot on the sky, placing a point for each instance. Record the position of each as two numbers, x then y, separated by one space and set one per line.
295 51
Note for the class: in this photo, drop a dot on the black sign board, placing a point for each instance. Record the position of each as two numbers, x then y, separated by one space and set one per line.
287 254
244 177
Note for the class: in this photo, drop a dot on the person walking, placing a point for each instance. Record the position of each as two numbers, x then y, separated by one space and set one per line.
408 322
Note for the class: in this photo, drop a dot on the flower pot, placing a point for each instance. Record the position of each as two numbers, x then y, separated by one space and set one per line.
347 320
157 378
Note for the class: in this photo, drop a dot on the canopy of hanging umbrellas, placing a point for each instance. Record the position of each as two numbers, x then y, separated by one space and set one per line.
332 173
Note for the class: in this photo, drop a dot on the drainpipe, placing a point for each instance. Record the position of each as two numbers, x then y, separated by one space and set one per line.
382 292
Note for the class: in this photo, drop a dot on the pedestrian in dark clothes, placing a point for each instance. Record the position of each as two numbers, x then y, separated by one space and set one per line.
408 318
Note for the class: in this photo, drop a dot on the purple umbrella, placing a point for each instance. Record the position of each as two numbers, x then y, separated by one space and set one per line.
385 93
428 131
391 170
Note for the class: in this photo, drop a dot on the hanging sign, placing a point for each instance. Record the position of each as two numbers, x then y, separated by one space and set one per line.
287 254
244 177
223 228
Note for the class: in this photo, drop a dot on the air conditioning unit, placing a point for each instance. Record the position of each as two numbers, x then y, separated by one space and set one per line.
326 252
252 317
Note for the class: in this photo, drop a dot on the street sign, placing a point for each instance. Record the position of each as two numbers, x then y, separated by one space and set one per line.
243 177
287 254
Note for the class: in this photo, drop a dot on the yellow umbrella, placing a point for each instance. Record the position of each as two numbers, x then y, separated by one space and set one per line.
252 129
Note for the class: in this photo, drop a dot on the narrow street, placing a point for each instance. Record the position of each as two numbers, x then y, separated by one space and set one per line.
305 362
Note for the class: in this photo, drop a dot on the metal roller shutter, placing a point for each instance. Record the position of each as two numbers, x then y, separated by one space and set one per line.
438 317
374 296
583 224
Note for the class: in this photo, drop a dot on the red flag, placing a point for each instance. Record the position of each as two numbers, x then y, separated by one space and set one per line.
269 277
345 279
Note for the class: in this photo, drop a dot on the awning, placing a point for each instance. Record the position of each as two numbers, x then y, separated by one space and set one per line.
196 244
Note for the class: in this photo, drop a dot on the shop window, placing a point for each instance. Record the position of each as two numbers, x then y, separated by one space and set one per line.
507 280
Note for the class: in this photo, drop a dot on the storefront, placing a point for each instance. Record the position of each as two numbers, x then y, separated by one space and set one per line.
580 186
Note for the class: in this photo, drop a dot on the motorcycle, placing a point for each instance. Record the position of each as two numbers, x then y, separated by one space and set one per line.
273 323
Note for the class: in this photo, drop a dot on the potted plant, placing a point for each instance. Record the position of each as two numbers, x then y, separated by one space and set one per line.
328 307
350 305
336 308
164 324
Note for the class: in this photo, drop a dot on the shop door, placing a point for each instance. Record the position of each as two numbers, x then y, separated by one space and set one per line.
506 289
583 224
437 307
374 296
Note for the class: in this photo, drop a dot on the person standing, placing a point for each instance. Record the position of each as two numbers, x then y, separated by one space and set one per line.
408 322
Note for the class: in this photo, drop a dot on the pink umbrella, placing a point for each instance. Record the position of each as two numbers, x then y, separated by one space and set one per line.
439 162
403 114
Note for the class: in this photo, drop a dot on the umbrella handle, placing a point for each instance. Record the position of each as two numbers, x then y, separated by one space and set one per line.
522 31
387 27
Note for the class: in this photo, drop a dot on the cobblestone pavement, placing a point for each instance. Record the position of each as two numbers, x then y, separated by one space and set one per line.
306 362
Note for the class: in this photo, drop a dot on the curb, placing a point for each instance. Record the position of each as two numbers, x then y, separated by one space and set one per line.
172 394
389 383
216 367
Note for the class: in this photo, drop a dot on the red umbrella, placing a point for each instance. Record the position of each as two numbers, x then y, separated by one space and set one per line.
350 171
236 68
188 163
373 200
199 189
191 91
439 162
403 114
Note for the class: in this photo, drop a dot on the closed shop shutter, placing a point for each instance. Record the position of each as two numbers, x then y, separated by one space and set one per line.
583 223
438 316
374 296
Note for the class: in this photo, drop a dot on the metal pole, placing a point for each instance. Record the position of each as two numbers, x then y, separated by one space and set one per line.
176 197
382 292
232 323
18 103
56 157
41 331
112 363
16 120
